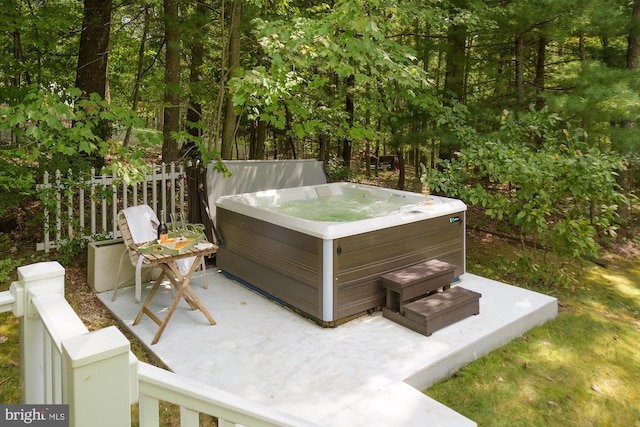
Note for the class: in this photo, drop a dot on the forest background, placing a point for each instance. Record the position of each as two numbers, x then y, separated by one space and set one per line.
525 109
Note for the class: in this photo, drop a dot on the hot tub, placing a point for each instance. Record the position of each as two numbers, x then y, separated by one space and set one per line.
321 249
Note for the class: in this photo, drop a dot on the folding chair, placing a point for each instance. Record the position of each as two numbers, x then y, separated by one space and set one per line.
138 225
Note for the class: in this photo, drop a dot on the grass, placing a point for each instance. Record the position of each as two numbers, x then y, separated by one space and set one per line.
581 369
9 359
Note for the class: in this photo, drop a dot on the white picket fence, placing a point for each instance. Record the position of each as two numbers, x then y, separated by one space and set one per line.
79 207
95 373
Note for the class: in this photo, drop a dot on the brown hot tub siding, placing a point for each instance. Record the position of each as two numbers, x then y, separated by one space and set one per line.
288 264
279 261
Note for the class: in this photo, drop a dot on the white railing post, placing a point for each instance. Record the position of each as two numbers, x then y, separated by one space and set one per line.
34 280
58 186
96 374
92 195
114 206
47 223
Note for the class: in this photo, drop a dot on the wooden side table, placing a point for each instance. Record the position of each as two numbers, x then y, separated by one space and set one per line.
170 270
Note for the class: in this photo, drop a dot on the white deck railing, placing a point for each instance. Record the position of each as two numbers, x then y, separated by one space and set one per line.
82 207
96 374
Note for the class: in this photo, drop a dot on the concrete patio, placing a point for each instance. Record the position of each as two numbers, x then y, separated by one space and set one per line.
367 372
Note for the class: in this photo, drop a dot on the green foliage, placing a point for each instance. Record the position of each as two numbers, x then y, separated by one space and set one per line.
540 176
39 42
11 257
317 61
304 65
337 170
603 98
70 251
48 130
205 153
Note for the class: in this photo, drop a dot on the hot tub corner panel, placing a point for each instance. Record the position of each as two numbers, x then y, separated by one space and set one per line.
280 262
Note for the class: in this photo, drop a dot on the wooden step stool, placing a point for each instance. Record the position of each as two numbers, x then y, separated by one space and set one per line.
434 312
416 281
415 301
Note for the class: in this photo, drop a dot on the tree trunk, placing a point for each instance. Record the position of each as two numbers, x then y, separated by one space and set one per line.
582 49
258 138
261 138
424 49
93 55
519 57
229 125
455 66
323 147
18 55
139 71
401 165
608 52
194 108
540 69
253 139
289 133
349 108
454 81
367 143
633 49
172 81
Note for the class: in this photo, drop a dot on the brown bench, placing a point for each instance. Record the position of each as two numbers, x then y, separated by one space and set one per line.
420 297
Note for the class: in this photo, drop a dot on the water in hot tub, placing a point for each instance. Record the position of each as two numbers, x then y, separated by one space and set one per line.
340 208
